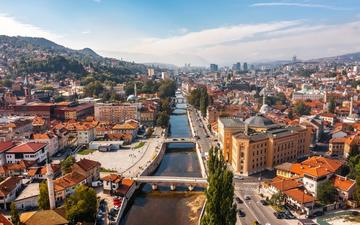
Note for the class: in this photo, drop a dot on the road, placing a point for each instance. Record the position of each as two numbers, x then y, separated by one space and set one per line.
199 128
253 209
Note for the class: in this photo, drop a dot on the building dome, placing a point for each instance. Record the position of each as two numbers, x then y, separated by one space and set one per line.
264 108
258 121
131 98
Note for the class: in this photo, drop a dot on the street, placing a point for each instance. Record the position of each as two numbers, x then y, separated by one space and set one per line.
253 208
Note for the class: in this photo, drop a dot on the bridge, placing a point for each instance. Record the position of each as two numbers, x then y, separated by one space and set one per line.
191 182
180 140
180 100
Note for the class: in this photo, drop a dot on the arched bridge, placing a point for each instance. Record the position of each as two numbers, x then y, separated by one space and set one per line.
180 140
191 182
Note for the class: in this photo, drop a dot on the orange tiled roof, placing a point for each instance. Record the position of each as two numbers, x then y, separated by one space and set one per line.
299 195
30 147
87 164
343 183
6 145
113 178
284 184
316 166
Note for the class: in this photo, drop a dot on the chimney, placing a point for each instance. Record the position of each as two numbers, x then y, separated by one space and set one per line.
246 132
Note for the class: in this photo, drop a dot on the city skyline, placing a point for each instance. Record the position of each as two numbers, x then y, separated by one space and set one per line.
199 33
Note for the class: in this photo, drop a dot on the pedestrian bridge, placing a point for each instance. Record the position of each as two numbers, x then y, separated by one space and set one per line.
180 140
190 182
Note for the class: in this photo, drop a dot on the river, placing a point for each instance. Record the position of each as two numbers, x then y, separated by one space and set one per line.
165 207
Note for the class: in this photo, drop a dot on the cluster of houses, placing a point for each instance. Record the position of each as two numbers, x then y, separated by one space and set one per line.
299 183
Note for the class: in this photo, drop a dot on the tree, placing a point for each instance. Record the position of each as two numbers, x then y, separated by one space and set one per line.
326 193
277 199
14 215
167 88
94 89
67 164
163 119
82 205
43 200
219 208
302 109
332 105
291 115
356 194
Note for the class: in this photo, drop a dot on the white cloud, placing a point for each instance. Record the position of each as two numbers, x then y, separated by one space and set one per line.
12 27
208 37
293 4
86 32
251 43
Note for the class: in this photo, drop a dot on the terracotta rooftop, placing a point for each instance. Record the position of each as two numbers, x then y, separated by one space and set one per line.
30 147
343 183
284 184
8 185
113 178
4 220
38 218
6 145
87 164
299 196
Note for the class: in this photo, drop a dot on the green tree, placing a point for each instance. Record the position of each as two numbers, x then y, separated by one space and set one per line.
356 194
43 200
302 109
291 115
332 105
7 83
82 205
219 208
277 199
163 119
14 215
326 193
94 89
67 164
167 88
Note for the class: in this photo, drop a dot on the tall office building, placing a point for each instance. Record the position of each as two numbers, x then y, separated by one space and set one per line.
151 71
237 66
245 66
214 67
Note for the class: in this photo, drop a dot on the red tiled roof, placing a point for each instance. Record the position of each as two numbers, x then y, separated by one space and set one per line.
299 195
30 147
6 145
8 185
87 164
343 183
284 184
4 220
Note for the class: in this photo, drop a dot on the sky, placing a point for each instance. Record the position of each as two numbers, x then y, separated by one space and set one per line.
199 32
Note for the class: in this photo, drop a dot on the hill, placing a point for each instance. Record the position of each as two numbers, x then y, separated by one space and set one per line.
26 55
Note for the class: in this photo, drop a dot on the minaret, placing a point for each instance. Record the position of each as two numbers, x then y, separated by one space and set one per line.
264 98
50 183
135 90
351 106
26 87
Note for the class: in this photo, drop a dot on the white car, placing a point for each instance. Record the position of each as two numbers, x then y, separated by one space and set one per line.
97 183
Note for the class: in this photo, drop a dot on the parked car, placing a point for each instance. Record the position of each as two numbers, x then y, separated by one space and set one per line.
264 202
279 215
238 177
241 213
97 183
238 200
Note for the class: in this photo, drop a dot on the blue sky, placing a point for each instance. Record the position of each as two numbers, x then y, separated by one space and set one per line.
191 31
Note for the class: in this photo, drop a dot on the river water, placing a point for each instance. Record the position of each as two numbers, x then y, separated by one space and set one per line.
165 207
